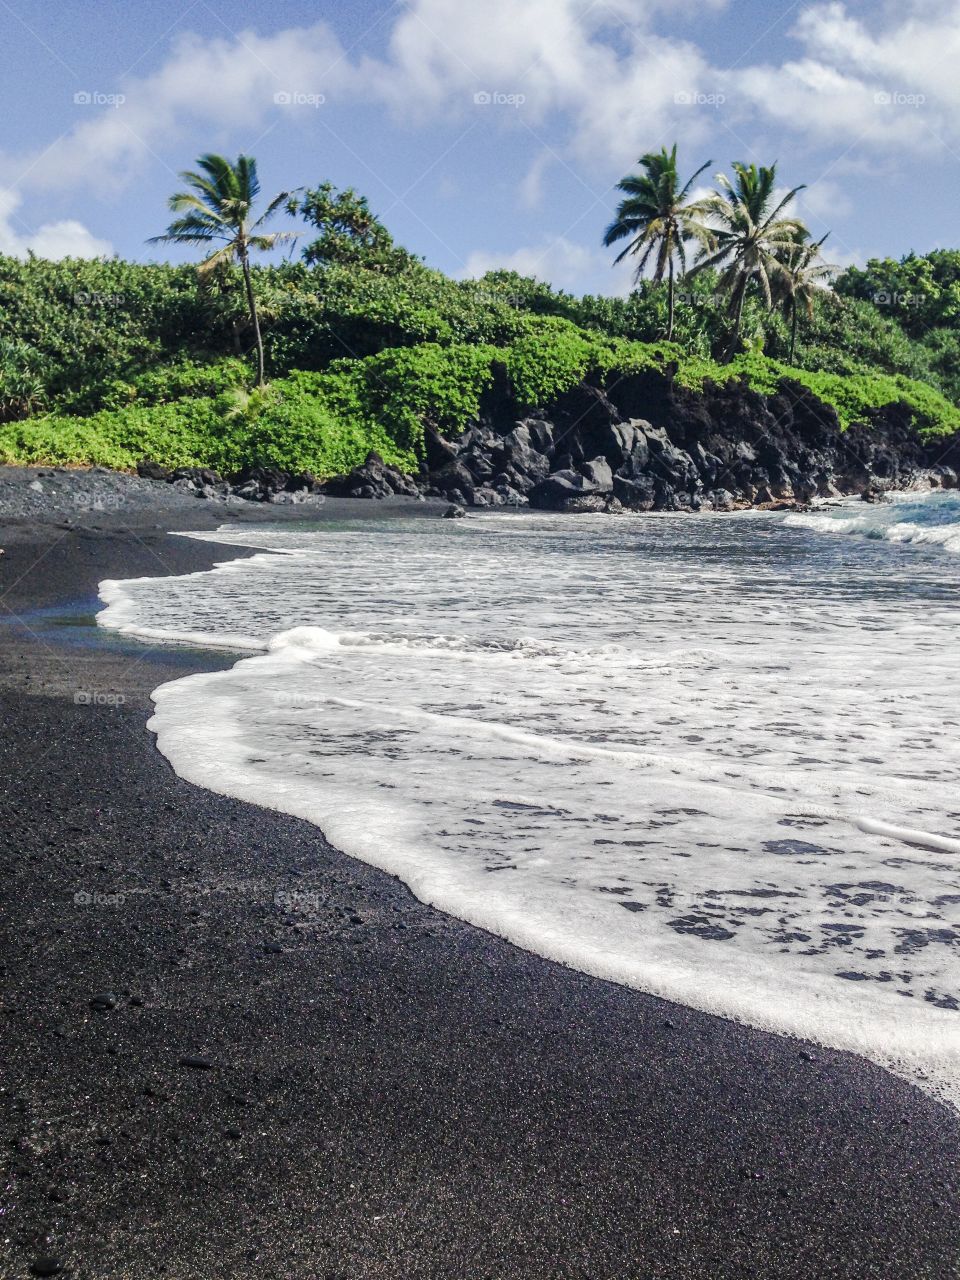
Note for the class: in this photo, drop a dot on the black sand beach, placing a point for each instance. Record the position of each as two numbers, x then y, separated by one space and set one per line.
229 1050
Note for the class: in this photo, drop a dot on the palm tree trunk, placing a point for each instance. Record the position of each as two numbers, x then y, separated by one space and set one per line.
793 332
254 317
737 322
671 302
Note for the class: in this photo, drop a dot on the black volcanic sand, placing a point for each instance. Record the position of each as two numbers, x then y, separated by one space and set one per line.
231 1051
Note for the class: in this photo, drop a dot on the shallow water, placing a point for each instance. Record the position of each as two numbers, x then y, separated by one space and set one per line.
712 757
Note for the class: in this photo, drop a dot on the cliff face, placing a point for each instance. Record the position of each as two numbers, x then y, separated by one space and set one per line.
647 444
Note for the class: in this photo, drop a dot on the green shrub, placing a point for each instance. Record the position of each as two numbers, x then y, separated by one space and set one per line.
327 421
550 358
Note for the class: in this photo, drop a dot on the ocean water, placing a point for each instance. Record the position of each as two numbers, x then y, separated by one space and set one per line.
926 519
715 757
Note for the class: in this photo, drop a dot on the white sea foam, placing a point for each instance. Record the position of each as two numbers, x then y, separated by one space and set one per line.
926 519
714 759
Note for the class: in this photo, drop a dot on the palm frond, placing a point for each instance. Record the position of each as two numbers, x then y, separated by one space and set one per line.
272 208
219 259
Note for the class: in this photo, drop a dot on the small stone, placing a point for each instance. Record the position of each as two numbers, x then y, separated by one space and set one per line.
233 1134
103 1001
454 512
807 1056
137 1002
195 1063
274 948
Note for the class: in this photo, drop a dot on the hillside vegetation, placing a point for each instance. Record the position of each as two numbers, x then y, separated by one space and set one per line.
109 362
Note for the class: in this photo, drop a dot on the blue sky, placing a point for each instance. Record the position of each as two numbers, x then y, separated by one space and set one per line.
860 100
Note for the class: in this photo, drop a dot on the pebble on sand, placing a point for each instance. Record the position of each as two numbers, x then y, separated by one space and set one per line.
46 1267
196 1063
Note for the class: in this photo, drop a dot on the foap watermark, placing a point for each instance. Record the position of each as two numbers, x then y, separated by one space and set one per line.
701 299
493 98
491 297
297 899
100 299
95 98
899 99
694 98
96 502
98 698
887 298
296 98
89 898
294 698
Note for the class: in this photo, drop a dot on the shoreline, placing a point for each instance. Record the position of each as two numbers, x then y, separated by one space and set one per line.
410 1095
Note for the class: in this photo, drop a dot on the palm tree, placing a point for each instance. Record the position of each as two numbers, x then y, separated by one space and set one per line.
801 279
219 208
750 237
656 217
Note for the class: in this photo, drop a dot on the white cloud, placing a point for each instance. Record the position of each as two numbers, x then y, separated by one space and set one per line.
603 73
601 83
229 84
894 86
560 263
601 65
918 50
822 201
623 87
531 188
54 240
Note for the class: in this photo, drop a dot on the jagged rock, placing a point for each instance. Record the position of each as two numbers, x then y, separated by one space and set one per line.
647 443
454 479
453 512
723 500
598 474
560 489
375 479
150 470
636 492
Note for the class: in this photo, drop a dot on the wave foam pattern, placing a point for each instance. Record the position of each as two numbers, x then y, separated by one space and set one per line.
715 759
926 519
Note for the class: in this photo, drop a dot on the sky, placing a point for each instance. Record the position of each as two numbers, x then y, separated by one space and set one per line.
486 133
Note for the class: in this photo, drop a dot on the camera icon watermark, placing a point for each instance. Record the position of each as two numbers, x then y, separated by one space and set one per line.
899 99
98 698
94 98
294 98
486 98
694 98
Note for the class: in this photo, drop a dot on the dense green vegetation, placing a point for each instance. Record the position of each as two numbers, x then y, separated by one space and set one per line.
108 362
